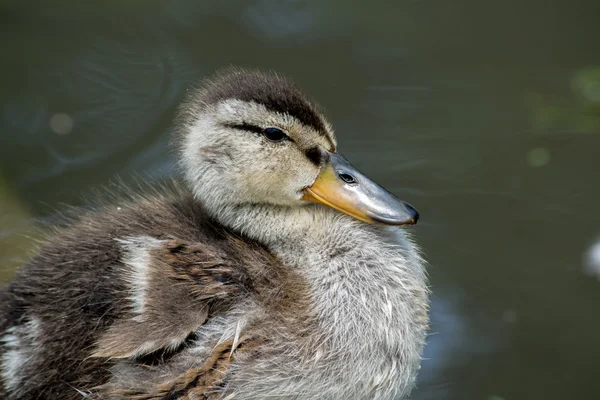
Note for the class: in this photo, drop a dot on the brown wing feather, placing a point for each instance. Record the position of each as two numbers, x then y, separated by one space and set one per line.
79 329
194 383
181 278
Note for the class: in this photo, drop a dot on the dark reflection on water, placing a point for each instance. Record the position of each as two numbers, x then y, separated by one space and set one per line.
484 116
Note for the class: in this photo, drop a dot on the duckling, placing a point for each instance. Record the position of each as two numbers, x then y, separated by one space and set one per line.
275 270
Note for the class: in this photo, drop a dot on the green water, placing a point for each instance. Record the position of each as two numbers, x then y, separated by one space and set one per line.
484 115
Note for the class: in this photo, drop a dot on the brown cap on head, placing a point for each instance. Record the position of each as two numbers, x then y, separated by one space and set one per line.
273 91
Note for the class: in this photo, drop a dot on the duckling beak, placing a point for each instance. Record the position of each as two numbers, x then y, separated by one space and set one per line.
343 187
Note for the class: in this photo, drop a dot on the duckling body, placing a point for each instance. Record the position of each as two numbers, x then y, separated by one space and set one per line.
193 294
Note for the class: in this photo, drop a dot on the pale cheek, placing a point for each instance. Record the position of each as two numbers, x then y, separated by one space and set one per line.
278 176
299 176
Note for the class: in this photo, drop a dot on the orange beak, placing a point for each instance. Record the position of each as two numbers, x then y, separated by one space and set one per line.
343 187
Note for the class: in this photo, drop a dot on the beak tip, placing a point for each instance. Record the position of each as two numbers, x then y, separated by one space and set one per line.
414 214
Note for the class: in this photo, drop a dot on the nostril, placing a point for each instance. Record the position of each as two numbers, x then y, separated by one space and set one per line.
346 177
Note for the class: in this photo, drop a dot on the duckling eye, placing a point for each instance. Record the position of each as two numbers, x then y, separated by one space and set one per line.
275 134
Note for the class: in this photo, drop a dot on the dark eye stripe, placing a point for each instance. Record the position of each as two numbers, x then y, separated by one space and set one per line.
272 134
314 155
246 127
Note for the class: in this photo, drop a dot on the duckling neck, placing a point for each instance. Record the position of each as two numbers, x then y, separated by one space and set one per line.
367 284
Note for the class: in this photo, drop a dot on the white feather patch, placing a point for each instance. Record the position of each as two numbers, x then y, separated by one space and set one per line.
20 343
137 258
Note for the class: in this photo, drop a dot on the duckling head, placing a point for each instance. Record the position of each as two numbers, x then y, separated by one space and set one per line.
251 138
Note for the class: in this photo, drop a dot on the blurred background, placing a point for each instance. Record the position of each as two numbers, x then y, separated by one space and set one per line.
484 115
